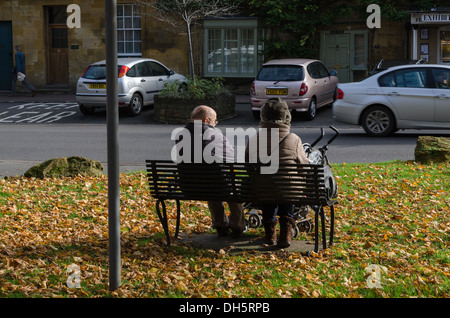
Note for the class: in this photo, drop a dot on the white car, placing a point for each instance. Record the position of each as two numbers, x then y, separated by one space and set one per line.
140 79
401 97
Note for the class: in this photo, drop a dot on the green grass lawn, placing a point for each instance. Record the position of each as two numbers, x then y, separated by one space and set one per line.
392 240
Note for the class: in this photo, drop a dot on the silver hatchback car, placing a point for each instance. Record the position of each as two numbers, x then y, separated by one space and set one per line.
140 79
304 84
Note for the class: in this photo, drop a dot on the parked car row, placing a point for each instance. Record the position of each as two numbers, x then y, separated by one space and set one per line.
410 96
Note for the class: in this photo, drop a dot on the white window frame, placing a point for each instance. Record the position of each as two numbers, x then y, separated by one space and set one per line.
221 26
136 28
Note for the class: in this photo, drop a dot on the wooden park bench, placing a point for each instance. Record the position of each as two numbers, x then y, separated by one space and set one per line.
241 182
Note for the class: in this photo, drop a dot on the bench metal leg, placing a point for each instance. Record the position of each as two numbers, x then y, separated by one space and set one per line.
331 225
163 218
162 214
316 230
178 218
319 211
322 218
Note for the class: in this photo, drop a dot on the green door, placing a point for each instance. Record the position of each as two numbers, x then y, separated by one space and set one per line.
6 55
336 55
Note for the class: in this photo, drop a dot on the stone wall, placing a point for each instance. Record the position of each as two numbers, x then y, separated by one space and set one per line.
173 110
390 42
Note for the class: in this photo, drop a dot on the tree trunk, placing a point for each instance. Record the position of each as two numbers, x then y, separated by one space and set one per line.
191 55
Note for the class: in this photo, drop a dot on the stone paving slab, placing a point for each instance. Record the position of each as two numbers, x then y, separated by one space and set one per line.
246 243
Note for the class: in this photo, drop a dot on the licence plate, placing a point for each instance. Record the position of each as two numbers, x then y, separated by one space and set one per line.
97 86
276 91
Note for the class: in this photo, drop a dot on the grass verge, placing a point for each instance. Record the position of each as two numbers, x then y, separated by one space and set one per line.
392 226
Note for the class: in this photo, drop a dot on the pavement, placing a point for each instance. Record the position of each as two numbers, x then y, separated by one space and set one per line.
245 243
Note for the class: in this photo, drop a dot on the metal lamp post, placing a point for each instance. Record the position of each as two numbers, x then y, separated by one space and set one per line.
112 117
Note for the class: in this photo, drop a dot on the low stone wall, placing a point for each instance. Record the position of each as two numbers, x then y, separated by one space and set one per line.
178 110
65 167
431 149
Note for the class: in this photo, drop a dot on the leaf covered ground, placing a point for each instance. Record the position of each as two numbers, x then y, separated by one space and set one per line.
392 240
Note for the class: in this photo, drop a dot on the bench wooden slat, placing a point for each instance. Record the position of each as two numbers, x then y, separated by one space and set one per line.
236 178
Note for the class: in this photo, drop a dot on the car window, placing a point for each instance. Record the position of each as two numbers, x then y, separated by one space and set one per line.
313 70
95 72
387 80
323 70
132 72
158 69
143 69
414 78
441 78
280 73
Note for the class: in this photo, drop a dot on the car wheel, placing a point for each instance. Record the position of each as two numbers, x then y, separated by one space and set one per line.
135 106
378 121
311 113
86 110
256 114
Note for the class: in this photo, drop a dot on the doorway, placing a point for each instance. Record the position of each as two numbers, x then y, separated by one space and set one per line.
57 46
6 55
337 55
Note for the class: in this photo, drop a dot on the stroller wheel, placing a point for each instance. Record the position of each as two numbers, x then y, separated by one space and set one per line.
254 221
295 231
305 226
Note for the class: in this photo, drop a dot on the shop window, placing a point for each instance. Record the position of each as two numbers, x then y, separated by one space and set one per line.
129 30
233 47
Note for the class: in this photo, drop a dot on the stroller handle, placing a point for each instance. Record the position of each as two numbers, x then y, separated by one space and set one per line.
335 135
322 133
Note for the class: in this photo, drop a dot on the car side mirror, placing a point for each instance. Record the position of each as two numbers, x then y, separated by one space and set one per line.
333 73
171 72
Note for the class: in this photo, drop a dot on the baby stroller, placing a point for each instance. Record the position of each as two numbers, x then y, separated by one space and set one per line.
303 223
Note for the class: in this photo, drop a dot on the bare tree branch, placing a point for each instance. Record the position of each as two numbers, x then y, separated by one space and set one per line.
180 15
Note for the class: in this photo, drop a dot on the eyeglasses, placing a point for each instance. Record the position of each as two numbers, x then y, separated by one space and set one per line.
213 121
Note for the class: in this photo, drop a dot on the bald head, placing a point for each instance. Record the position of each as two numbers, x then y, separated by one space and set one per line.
204 113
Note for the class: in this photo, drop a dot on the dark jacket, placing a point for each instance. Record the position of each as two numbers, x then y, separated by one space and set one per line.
217 145
217 148
20 62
